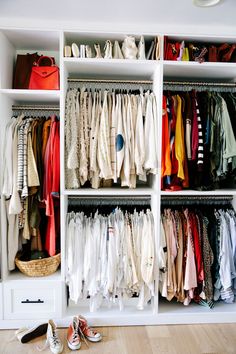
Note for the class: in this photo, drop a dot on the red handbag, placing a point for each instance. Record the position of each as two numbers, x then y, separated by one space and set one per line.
44 77
172 51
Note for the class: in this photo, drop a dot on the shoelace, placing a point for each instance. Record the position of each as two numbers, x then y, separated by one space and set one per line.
82 335
53 341
76 332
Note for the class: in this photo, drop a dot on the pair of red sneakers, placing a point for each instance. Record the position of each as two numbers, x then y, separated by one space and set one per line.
78 331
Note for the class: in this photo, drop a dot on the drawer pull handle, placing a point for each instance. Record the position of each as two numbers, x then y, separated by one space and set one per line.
27 301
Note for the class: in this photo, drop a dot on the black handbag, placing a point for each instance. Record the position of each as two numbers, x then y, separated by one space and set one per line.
23 67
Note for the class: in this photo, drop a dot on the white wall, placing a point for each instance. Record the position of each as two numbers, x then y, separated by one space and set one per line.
166 16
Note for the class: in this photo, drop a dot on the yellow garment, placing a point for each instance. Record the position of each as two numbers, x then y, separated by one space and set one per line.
185 56
179 140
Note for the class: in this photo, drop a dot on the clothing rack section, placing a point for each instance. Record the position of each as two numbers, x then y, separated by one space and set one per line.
200 86
198 140
110 138
110 257
198 255
31 185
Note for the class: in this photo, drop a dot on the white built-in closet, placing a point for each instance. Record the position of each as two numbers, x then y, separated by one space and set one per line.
16 288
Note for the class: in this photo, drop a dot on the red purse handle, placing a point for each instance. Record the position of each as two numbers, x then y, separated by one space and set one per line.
44 57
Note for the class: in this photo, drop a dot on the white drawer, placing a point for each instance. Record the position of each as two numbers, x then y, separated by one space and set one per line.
32 300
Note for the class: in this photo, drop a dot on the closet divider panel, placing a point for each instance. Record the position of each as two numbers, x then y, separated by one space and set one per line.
1 300
6 62
6 111
156 205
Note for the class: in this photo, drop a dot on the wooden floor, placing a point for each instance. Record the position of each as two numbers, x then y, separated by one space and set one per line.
180 339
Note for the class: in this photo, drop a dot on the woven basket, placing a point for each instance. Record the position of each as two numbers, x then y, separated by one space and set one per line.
38 267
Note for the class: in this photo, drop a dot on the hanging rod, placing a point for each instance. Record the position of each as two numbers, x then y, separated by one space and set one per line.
112 197
109 201
112 81
200 197
195 200
35 108
200 83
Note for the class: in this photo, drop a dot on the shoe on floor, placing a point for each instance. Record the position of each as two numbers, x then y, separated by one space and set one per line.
24 335
88 332
73 335
52 339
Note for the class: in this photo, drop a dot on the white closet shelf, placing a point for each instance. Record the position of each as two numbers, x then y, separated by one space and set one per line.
40 96
226 312
180 69
114 317
109 191
16 275
111 68
199 193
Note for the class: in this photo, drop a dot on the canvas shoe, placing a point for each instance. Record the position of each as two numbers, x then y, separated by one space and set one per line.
75 50
67 51
88 332
73 335
24 335
52 339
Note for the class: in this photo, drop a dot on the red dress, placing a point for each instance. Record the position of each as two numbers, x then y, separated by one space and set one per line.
52 183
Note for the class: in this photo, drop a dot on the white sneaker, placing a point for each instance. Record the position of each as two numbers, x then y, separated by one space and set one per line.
24 335
75 50
52 339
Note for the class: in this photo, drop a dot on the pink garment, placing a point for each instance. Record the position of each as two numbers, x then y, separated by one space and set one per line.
169 228
52 183
190 279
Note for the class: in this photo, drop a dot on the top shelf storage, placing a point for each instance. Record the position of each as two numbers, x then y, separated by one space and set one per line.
111 46
202 58
199 50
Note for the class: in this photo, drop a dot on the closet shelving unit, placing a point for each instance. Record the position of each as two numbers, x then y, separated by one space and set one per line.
14 286
196 72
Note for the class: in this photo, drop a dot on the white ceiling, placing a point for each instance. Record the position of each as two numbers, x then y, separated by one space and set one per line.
169 16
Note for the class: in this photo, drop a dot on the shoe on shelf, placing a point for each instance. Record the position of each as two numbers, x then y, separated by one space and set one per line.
75 50
24 335
108 50
141 49
73 335
67 51
88 51
98 50
88 332
52 339
82 51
